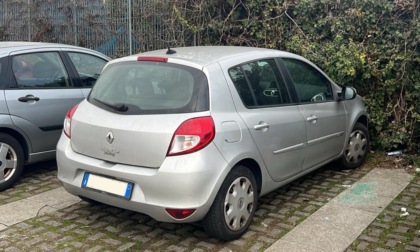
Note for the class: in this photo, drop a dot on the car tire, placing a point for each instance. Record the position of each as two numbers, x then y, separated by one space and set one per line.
234 206
357 147
11 161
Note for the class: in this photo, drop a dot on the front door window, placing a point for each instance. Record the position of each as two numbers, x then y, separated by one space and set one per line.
40 70
311 85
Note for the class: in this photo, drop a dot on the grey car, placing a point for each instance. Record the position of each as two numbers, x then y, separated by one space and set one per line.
199 133
40 82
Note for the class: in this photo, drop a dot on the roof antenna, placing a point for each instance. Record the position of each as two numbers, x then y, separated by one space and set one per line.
170 51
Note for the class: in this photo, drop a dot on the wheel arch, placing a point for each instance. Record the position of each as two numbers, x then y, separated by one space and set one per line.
255 168
20 138
363 119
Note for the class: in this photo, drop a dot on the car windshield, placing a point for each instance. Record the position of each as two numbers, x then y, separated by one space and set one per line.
151 88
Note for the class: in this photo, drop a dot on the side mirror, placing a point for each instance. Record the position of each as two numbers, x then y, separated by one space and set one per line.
347 93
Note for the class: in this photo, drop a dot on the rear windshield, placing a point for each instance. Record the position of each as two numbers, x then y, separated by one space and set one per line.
151 88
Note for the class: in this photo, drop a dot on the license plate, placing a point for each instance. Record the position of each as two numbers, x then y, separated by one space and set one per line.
107 185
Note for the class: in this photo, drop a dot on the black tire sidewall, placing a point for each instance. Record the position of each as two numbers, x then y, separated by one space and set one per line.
344 162
220 229
14 144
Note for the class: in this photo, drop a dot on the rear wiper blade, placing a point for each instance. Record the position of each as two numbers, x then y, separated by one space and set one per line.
121 107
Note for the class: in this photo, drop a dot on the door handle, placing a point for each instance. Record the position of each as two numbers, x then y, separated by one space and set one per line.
312 119
261 126
28 98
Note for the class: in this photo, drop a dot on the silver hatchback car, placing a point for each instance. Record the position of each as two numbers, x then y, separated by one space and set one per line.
199 133
40 82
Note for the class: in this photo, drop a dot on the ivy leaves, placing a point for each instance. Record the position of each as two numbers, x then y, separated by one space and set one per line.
371 45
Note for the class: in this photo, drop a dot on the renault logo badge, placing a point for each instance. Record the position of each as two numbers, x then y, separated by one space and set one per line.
110 137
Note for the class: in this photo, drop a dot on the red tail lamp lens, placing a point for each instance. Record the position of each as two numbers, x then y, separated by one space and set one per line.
67 121
192 135
180 214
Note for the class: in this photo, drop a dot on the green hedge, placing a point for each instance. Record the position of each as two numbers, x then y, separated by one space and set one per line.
371 45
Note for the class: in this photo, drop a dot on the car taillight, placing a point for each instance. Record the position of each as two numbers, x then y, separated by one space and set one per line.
67 121
192 135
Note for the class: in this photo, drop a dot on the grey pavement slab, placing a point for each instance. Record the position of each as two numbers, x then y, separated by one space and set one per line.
295 247
389 176
25 209
339 222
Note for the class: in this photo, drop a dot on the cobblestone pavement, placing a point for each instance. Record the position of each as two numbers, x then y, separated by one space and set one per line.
392 231
36 179
86 227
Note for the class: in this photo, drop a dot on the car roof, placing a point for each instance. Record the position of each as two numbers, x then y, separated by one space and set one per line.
201 56
7 47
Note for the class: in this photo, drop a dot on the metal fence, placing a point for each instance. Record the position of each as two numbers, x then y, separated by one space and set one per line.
113 27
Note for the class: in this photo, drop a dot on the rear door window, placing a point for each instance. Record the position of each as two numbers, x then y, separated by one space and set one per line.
259 84
3 71
151 88
40 70
88 67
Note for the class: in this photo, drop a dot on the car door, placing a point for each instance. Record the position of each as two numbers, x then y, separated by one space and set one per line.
40 93
275 124
325 117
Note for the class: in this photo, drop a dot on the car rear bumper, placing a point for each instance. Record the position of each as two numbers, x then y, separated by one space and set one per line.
181 182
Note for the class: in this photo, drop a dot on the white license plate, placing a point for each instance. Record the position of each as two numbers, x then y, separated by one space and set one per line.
107 185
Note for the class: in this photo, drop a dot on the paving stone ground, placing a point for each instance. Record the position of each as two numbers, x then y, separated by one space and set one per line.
36 179
392 231
86 227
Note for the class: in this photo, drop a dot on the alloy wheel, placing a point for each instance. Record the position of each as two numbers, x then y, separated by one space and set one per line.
8 162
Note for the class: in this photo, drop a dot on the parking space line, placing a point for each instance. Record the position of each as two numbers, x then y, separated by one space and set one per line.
339 222
39 204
